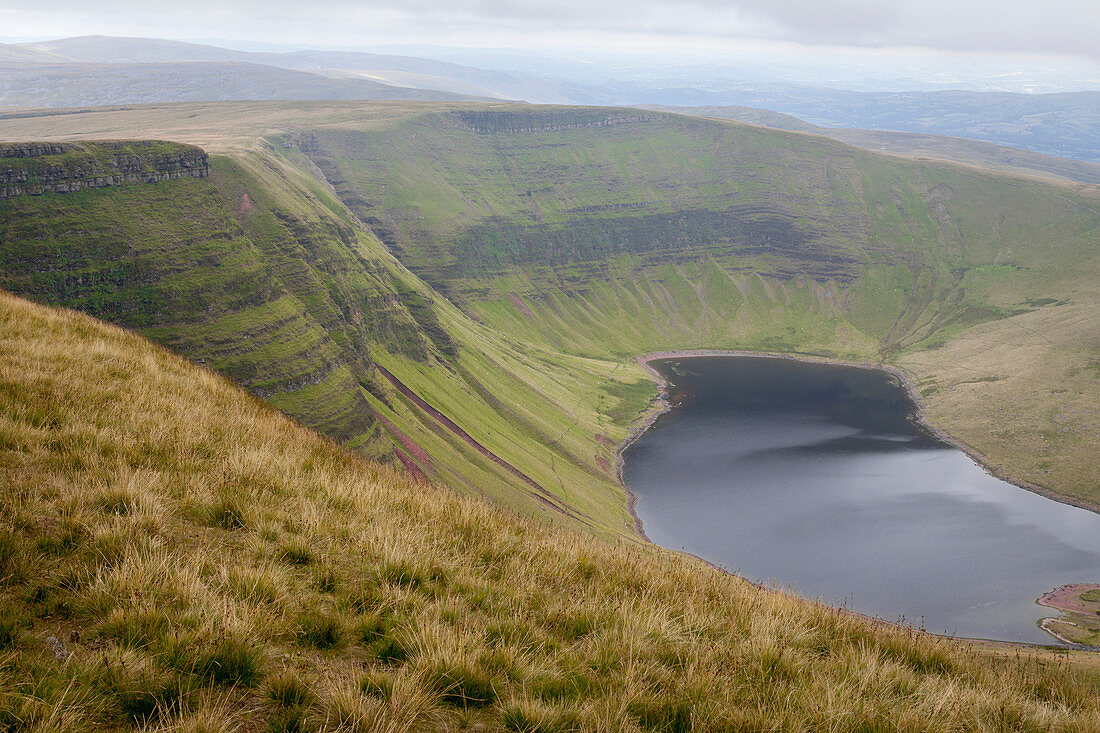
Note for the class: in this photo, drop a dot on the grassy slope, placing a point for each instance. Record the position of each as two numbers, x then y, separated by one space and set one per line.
261 274
985 297
204 564
614 241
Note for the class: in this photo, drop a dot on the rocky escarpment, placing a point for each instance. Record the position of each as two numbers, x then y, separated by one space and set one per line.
487 122
37 168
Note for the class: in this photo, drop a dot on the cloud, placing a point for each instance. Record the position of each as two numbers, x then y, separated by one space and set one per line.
984 25
1002 25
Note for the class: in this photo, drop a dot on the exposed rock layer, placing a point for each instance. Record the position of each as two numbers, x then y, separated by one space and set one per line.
36 168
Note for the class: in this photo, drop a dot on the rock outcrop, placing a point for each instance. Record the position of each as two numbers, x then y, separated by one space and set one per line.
554 120
33 168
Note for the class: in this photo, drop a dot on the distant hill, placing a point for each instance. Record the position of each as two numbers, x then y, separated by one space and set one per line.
396 70
116 50
961 150
1066 125
9 52
94 84
751 115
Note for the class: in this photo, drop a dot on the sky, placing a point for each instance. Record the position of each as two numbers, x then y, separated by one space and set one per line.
989 45
1014 26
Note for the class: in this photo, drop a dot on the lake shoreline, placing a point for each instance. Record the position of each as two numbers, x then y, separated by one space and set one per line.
1067 599
661 406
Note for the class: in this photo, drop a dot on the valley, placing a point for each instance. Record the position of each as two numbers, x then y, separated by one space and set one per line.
177 555
458 293
554 238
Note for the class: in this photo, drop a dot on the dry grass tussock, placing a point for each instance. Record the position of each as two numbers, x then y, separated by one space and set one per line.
207 565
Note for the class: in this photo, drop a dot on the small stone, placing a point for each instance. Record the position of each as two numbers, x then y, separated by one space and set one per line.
59 651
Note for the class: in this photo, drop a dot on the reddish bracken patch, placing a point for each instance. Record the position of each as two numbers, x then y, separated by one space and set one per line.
245 204
520 305
417 453
410 466
1068 597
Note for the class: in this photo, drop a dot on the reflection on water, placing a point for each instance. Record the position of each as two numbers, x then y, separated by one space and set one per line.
814 475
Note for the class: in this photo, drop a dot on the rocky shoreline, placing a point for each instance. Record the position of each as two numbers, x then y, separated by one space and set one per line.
1068 599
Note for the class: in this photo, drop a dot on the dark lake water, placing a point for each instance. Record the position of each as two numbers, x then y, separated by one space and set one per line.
815 476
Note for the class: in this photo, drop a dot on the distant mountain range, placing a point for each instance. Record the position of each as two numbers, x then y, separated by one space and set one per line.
102 70
958 149
389 77
1066 124
103 84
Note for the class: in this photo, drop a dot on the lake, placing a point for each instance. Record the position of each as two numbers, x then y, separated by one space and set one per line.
817 477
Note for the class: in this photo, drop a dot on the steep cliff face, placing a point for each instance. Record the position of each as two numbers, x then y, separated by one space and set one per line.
250 273
489 122
36 168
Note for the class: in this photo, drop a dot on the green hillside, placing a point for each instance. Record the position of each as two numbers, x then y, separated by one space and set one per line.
602 210
177 556
259 273
613 233
504 264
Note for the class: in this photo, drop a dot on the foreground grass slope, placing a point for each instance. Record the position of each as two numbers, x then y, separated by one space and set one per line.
176 555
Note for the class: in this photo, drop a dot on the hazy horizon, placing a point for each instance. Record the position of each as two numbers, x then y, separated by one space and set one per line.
842 67
1011 45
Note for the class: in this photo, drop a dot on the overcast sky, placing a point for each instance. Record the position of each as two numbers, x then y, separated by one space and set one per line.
1016 26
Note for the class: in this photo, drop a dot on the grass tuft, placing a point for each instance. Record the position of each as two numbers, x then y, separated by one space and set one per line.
11 625
390 650
320 630
138 688
665 715
372 628
119 501
227 513
407 574
534 716
292 699
229 660
462 684
296 552
135 627
287 689
11 557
